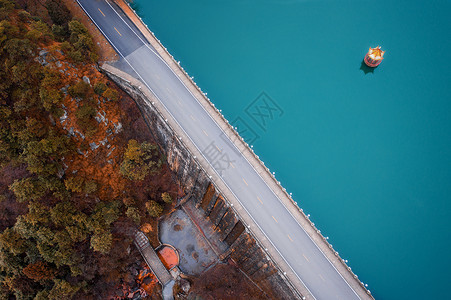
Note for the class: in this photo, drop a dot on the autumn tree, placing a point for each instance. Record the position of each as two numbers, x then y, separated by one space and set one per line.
140 160
43 157
111 94
166 197
133 214
80 89
86 118
27 189
12 241
99 88
154 208
49 92
38 271
62 290
38 214
101 241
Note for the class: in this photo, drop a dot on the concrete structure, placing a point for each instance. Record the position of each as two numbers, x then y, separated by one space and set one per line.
152 259
188 128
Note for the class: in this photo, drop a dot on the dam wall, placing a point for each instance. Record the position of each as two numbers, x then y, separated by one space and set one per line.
242 246
248 246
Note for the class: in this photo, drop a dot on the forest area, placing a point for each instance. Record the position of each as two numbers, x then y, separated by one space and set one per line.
79 172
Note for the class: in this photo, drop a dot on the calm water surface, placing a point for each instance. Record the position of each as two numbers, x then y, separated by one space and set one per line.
367 155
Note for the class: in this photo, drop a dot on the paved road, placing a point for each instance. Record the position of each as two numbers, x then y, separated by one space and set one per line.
291 241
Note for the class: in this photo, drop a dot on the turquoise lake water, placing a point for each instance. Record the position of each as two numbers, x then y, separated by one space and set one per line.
367 155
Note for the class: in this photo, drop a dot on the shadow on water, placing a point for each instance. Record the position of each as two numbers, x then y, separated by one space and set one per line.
365 69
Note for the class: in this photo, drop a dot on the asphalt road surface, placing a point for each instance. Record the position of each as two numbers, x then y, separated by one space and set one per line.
288 237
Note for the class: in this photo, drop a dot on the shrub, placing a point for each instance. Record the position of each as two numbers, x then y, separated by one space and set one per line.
66 46
80 89
74 184
99 88
111 94
166 197
24 16
133 214
128 201
59 32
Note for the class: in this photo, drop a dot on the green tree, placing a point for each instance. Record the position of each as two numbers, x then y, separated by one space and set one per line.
47 251
154 208
50 98
49 92
63 239
83 46
78 230
18 49
24 16
44 157
76 233
58 12
10 262
5 8
39 31
90 186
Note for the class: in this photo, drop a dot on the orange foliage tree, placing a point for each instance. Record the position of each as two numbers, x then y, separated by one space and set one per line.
38 271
